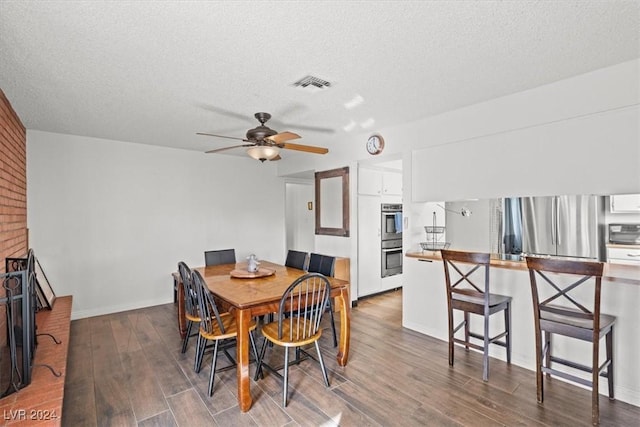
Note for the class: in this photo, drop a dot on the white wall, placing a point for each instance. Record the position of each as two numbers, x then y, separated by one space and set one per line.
300 221
110 220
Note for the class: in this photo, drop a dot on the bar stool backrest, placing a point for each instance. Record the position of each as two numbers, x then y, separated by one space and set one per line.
556 297
463 284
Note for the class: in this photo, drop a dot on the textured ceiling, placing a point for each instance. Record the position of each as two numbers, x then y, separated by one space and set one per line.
158 72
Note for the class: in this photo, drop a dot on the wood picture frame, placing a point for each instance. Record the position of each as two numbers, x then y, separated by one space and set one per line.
332 202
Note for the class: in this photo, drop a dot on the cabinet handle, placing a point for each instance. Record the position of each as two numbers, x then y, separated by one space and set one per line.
424 260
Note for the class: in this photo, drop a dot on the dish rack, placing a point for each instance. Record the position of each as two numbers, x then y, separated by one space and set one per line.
434 237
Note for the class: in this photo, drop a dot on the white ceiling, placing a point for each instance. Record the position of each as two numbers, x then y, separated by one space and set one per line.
158 72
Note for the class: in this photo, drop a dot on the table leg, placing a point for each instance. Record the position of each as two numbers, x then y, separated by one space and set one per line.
345 326
243 319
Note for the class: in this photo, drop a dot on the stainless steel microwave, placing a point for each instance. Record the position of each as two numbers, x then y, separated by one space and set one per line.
624 234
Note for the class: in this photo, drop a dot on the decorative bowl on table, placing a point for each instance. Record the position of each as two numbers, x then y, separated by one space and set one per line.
245 274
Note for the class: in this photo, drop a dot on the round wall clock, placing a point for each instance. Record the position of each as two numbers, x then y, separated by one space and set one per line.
375 144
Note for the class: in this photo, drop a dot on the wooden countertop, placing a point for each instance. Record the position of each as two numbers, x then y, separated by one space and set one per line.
619 246
621 273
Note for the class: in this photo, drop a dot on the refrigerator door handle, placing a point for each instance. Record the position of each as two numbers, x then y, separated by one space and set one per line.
554 222
557 221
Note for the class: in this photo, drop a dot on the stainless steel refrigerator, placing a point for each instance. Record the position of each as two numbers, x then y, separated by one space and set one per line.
567 226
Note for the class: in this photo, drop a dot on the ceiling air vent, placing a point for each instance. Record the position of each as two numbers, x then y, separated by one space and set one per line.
311 82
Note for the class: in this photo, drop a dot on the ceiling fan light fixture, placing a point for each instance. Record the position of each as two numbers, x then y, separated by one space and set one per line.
263 152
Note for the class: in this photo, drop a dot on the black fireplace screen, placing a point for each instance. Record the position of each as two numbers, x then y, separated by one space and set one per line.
17 335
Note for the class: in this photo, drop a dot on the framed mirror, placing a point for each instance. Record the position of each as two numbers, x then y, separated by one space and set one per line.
332 202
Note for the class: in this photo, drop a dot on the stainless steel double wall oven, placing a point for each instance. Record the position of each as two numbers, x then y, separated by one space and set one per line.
391 239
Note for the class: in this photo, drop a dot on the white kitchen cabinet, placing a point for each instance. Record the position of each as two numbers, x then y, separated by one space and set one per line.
621 255
369 247
625 203
392 183
370 181
377 182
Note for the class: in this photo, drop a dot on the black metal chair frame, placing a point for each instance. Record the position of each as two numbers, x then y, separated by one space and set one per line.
191 308
474 299
299 312
221 256
571 318
210 321
325 264
296 259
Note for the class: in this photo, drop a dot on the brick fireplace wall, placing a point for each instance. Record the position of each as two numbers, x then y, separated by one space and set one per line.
13 183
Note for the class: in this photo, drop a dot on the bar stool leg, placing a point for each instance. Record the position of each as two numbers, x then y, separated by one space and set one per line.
540 349
507 323
547 357
450 338
485 356
595 374
609 343
466 329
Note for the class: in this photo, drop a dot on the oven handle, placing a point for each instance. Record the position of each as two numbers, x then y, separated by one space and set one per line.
392 250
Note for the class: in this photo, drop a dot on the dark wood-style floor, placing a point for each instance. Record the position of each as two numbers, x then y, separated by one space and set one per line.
126 369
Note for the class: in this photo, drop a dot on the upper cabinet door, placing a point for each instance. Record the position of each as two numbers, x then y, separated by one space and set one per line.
392 183
369 182
625 203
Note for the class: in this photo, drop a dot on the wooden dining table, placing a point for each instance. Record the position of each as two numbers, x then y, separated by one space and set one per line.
250 297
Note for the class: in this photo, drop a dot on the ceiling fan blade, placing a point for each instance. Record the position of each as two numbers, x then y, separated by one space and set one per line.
217 150
222 136
279 124
222 111
307 148
276 158
281 137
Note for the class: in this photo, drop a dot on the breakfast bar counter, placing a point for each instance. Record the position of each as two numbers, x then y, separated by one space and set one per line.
623 273
425 311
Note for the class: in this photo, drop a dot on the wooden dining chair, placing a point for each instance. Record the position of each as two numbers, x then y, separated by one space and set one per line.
560 308
325 264
473 297
298 324
296 259
221 256
191 309
218 327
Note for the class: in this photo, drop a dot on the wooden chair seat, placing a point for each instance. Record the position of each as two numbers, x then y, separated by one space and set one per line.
575 327
229 325
475 304
270 332
192 318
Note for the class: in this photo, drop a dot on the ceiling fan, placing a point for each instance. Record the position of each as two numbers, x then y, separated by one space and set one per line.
265 143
